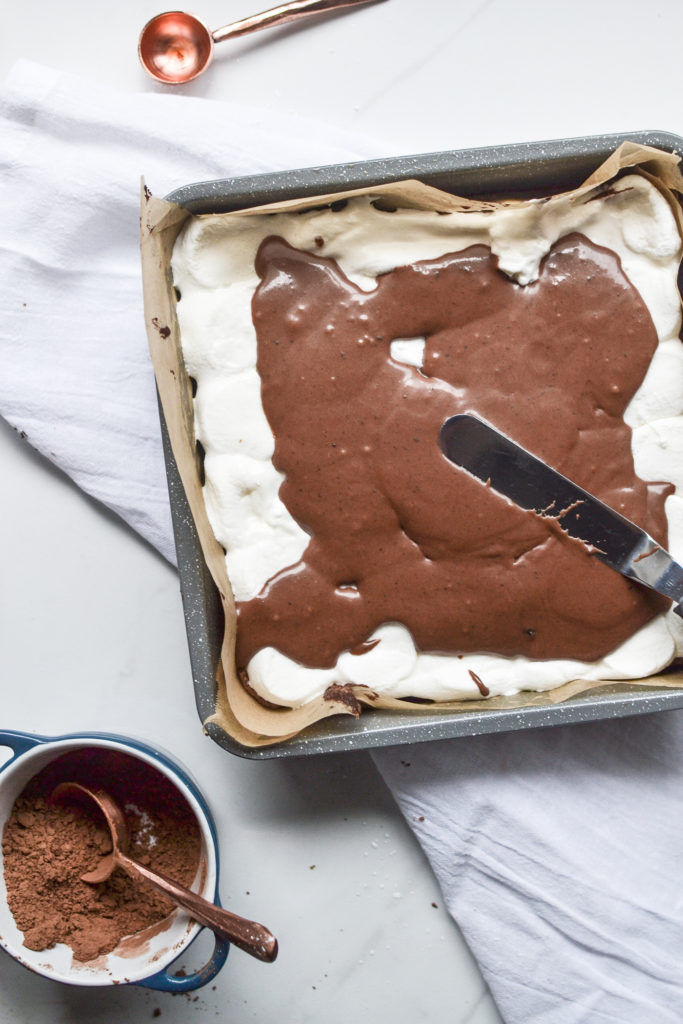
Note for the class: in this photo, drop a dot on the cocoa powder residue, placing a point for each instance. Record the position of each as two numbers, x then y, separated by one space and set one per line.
47 845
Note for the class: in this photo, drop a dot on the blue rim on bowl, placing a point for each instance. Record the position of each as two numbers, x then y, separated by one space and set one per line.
31 752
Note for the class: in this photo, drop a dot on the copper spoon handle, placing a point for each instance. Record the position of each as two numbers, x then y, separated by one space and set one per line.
281 15
249 936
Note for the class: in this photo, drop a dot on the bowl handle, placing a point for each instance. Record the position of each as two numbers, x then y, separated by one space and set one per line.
164 981
18 742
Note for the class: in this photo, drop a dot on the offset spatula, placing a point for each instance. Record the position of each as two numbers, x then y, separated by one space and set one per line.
530 483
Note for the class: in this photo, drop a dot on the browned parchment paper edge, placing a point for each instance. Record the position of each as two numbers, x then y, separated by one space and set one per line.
237 712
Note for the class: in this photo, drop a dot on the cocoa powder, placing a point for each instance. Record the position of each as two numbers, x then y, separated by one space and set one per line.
47 845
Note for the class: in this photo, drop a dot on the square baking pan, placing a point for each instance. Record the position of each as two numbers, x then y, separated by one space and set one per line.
522 171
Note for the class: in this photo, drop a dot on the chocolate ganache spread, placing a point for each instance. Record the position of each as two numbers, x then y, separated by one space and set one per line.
328 346
396 532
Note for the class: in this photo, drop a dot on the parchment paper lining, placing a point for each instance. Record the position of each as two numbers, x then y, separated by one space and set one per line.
237 712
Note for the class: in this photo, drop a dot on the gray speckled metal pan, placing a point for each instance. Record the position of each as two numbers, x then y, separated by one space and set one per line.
521 170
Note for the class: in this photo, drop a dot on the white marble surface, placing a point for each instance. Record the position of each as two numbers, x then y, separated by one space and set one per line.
91 627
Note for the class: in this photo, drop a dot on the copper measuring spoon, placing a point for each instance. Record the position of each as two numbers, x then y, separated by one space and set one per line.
249 936
175 47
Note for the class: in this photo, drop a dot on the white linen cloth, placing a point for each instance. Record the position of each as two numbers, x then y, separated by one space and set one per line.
558 850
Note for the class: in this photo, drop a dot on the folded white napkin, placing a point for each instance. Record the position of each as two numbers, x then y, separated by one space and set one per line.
557 850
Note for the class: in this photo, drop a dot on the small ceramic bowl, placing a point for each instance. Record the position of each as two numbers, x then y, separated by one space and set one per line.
149 961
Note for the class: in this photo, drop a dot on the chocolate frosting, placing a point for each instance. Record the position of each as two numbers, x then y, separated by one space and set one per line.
397 533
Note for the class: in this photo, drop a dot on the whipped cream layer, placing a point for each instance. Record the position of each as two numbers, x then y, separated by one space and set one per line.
213 269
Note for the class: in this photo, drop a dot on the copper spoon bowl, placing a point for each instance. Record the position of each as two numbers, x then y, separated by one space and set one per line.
175 47
249 936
